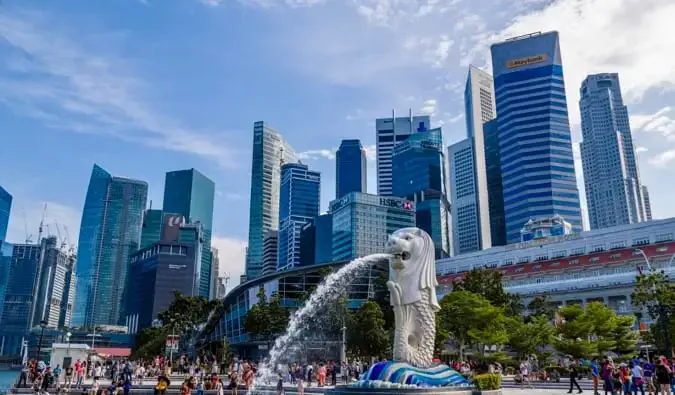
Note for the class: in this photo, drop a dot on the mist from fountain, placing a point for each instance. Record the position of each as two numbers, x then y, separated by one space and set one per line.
330 289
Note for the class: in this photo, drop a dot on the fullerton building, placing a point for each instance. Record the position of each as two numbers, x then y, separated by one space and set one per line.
597 265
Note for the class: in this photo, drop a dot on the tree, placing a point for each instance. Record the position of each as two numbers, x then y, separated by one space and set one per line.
381 297
150 342
655 293
366 334
532 337
267 319
185 313
488 284
542 306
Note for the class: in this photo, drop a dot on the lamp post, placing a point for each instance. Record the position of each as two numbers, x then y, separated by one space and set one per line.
43 325
68 335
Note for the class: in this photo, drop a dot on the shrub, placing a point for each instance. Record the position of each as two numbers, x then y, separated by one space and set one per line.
488 381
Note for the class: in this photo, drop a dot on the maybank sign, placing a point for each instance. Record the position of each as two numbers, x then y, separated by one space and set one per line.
513 63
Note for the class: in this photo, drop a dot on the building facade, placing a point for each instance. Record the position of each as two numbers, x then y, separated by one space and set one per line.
215 274
52 295
494 183
269 152
5 209
388 133
156 272
110 232
351 173
191 194
594 265
537 163
152 227
6 250
270 252
470 208
363 222
298 205
418 167
611 177
647 204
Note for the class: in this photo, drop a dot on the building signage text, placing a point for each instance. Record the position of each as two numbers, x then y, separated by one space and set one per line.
514 63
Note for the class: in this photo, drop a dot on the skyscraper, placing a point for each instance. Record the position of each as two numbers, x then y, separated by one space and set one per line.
270 251
388 133
215 273
493 171
418 166
5 209
52 296
269 152
298 204
535 143
647 203
613 190
191 194
468 167
110 232
152 227
350 168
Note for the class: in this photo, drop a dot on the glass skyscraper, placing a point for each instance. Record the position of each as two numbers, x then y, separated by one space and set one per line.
535 143
110 232
418 165
350 168
363 222
191 194
5 209
152 227
298 205
388 133
269 152
493 172
611 177
5 260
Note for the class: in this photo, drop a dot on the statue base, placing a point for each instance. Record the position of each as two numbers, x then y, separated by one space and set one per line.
401 375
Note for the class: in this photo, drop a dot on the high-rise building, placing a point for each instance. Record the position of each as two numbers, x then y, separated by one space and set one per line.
363 222
470 208
191 194
493 171
110 232
5 260
5 209
388 133
611 177
215 273
157 271
537 164
647 204
152 227
269 152
418 167
270 251
299 203
350 168
52 295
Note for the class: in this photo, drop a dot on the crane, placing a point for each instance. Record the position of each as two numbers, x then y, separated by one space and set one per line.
58 231
42 221
29 237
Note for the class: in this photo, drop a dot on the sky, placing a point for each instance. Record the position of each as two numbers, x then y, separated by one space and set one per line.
143 87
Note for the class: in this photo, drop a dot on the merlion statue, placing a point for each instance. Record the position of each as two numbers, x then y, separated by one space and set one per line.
412 286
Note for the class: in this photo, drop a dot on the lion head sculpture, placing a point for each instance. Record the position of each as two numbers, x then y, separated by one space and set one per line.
413 265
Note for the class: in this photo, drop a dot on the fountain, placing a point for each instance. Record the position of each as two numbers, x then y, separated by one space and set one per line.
412 286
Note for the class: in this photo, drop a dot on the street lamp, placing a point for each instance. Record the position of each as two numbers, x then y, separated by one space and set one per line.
68 335
43 325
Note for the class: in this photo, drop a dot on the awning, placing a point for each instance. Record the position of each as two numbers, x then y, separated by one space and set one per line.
114 352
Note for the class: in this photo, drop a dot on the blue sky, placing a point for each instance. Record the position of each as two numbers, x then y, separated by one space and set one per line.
147 86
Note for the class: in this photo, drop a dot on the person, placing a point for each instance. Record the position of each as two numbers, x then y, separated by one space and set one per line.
200 387
233 382
162 385
184 388
248 377
574 375
663 375
23 376
648 370
638 381
127 387
280 385
219 387
94 387
301 386
524 375
333 373
57 374
322 375
69 377
595 373
607 374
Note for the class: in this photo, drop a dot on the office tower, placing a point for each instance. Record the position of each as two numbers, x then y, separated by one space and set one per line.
535 143
647 204
363 222
316 241
152 227
52 292
611 177
5 260
418 167
16 318
269 152
494 183
299 202
350 168
388 133
5 209
468 167
110 232
68 302
191 194
157 271
270 252
215 273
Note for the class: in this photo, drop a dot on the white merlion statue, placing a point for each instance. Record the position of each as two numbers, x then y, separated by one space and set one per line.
412 286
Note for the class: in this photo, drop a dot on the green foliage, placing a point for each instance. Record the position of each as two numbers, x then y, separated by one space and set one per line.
150 342
488 284
366 334
381 297
656 293
267 318
186 312
594 331
487 382
542 306
442 335
532 337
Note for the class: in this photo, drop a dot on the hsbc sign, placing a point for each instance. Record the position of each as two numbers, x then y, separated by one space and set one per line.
172 224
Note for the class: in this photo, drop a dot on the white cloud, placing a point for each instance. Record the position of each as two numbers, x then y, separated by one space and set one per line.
429 107
663 159
232 257
211 3
661 122
61 220
73 89
371 152
641 149
317 154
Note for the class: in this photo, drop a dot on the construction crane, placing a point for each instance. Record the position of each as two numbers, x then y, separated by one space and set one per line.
61 239
42 221
29 237
71 250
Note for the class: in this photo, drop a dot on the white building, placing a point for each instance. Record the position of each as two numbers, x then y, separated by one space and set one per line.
389 132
